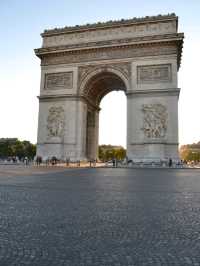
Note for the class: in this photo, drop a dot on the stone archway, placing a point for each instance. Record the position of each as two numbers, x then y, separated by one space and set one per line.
79 65
96 84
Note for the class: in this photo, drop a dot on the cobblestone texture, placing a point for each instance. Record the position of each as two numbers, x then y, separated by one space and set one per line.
101 217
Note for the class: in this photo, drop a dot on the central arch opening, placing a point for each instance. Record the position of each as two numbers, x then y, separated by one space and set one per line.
112 119
98 86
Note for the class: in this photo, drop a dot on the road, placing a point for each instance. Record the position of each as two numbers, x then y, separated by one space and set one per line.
99 217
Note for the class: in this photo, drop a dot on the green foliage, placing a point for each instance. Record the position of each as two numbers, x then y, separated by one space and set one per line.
108 152
15 147
189 156
190 152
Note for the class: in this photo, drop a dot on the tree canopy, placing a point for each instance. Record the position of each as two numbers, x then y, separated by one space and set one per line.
108 152
15 147
190 152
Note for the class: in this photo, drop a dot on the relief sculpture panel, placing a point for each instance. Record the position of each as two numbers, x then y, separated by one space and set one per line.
62 80
155 121
154 74
56 122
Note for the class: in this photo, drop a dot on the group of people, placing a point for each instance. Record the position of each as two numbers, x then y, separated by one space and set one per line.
53 160
38 160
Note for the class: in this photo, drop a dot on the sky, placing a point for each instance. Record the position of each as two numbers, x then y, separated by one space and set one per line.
22 21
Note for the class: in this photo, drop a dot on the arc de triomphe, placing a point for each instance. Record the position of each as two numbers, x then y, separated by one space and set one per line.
81 64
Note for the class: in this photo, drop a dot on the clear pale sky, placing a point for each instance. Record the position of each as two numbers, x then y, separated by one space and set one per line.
22 21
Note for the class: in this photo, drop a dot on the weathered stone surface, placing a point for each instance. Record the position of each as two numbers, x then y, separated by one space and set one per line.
61 80
130 29
108 53
154 74
81 65
56 122
155 121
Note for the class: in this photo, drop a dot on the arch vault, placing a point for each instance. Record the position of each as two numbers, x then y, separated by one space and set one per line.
80 65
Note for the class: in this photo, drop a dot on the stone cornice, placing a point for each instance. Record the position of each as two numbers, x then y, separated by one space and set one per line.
56 96
110 24
130 94
61 97
142 93
109 43
177 38
164 142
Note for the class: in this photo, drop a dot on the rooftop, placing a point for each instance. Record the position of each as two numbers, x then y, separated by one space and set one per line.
111 23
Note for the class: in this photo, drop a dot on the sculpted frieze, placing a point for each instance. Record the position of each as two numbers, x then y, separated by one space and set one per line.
154 74
109 53
56 122
154 121
127 31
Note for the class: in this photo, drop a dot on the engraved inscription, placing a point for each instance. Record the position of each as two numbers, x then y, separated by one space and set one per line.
63 80
155 120
154 74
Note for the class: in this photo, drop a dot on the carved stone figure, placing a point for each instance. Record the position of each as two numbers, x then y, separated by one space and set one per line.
155 120
55 122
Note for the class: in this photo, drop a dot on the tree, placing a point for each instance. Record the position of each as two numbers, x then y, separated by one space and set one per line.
120 154
190 152
15 147
108 152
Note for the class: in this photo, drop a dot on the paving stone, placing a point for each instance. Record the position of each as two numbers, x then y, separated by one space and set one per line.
101 217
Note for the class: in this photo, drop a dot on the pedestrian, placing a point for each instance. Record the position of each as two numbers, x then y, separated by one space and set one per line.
67 161
170 162
26 161
113 161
